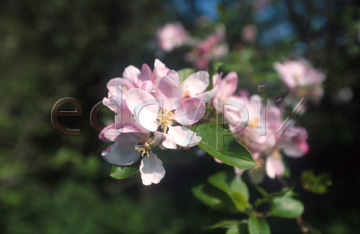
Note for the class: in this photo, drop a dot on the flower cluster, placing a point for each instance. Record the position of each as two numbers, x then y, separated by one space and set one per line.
259 126
213 47
151 110
302 79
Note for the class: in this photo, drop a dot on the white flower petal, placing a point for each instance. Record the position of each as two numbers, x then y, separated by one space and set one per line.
184 136
151 169
144 107
169 142
196 82
274 167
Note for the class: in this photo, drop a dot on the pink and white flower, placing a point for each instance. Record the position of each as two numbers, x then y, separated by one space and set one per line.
129 147
212 48
151 109
303 80
172 35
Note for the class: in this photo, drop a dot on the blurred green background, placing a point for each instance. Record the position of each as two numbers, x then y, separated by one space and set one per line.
55 183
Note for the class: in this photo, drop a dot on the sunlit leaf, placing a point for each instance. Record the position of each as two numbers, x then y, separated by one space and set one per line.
220 144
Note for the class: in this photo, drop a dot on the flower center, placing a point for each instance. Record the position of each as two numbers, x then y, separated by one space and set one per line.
296 78
165 119
144 149
254 123
185 91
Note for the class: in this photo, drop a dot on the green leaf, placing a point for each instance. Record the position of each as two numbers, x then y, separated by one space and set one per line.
286 207
227 223
213 197
118 172
233 230
258 225
184 73
220 144
239 201
229 183
268 197
317 184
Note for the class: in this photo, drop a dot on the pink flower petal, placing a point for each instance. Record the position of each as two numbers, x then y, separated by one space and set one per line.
196 83
169 92
121 155
147 86
206 96
146 73
184 136
151 169
110 132
173 74
131 73
144 107
190 111
274 166
228 85
160 70
169 142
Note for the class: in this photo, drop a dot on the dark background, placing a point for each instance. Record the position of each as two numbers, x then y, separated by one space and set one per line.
55 183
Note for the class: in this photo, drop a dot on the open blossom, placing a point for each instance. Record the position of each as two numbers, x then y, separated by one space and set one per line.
172 35
303 80
151 110
212 48
256 125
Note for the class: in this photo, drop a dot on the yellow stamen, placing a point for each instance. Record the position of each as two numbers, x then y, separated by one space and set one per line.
296 78
164 118
144 149
185 91
254 123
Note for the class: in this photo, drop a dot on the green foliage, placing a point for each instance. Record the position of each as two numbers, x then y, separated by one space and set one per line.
118 172
214 198
223 187
258 225
220 144
318 184
286 207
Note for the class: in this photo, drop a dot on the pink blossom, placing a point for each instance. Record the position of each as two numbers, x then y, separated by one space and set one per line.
212 48
129 147
165 110
255 125
172 35
293 142
152 111
249 33
303 80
